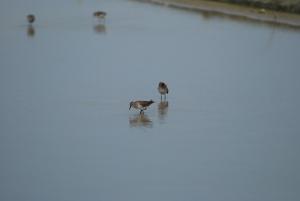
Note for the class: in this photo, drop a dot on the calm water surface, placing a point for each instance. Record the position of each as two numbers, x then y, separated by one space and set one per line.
229 130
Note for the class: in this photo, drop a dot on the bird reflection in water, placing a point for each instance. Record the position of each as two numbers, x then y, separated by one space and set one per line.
30 30
163 110
140 120
99 28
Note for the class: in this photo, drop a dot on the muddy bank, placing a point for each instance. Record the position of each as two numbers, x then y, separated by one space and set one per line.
249 12
290 6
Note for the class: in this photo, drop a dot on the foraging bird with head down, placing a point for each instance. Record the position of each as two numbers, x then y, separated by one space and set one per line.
162 89
140 105
99 14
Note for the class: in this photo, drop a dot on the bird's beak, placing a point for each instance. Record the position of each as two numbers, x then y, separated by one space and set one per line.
129 107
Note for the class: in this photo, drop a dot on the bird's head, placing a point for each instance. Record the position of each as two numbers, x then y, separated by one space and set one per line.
130 104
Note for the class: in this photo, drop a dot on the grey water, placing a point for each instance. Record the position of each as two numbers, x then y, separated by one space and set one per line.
228 130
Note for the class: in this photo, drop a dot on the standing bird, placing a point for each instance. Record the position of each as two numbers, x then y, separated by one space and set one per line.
99 14
140 105
30 18
162 89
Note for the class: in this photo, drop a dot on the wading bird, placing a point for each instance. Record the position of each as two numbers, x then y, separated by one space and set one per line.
99 14
162 89
140 105
30 18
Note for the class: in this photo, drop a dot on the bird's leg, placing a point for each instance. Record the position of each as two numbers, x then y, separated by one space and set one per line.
160 97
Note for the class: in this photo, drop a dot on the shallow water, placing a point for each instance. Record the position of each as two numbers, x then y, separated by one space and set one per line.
229 129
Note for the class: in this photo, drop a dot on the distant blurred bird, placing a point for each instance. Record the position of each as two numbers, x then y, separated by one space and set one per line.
140 105
99 14
162 89
30 18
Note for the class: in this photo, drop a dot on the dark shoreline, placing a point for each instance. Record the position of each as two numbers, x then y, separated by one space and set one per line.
234 10
289 6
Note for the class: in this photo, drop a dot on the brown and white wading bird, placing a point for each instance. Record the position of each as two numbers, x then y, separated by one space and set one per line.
30 18
162 89
99 14
140 105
